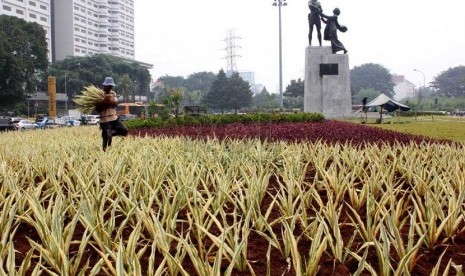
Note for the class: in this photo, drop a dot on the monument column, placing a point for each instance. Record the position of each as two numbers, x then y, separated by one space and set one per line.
327 83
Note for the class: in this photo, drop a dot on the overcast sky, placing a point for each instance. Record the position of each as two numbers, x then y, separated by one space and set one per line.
180 37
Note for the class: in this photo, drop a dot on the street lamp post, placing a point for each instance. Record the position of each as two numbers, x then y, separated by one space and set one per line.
280 3
66 90
424 83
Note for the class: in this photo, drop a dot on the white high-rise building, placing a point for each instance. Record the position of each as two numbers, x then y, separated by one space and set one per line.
88 27
38 11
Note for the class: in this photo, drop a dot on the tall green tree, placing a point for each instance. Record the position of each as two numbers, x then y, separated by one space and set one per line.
239 94
216 98
294 94
125 87
369 93
172 81
23 59
371 75
450 83
195 86
83 71
201 81
265 100
295 88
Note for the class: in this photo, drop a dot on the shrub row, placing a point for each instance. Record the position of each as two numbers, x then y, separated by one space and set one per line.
223 119
331 132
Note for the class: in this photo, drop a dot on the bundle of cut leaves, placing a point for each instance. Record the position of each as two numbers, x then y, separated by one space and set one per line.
91 97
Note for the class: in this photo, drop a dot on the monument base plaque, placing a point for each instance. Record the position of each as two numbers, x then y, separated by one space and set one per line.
327 83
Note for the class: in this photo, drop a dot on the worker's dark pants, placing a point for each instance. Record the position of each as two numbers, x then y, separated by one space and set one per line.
110 129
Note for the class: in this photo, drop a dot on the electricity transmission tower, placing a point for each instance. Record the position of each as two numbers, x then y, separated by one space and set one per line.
231 51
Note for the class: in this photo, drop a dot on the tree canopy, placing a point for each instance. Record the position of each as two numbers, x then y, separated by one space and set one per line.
83 71
216 97
369 93
228 93
23 59
295 88
200 81
371 75
125 87
265 100
239 93
195 86
450 83
294 94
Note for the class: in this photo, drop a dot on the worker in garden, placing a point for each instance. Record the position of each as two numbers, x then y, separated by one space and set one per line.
109 122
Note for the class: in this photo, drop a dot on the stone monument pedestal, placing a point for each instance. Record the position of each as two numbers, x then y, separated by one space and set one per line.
327 83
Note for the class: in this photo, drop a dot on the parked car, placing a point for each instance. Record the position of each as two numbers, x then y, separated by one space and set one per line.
52 123
40 117
126 117
48 123
15 120
68 121
90 119
5 124
25 124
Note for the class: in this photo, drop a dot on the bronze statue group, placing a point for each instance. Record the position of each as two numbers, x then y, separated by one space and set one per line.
332 26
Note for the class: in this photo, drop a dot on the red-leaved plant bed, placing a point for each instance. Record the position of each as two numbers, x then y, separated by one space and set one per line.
328 131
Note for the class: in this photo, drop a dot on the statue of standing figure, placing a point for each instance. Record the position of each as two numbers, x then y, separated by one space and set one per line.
314 19
330 33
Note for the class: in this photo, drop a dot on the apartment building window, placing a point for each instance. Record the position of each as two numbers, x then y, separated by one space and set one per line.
33 16
43 7
44 19
7 8
20 12
20 1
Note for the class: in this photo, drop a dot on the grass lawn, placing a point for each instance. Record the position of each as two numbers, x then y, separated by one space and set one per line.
442 127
